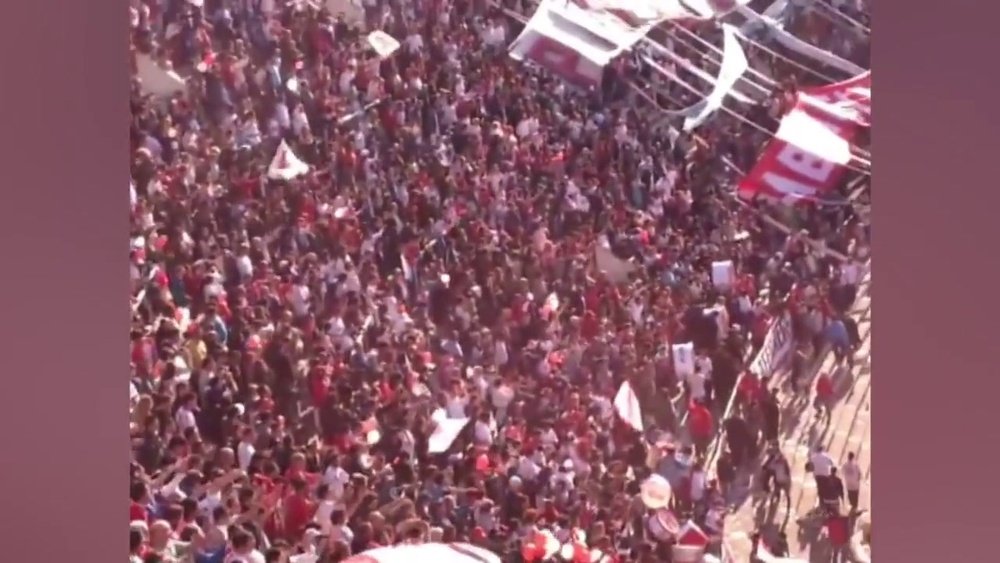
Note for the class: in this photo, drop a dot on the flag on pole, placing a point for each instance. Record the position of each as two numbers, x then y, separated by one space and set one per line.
627 406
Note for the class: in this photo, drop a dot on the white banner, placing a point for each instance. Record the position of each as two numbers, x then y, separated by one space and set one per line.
577 38
734 65
793 43
777 345
562 47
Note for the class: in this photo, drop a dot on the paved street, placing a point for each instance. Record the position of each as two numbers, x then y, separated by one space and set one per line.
849 430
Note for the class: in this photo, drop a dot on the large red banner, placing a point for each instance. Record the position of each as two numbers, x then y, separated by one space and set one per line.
805 159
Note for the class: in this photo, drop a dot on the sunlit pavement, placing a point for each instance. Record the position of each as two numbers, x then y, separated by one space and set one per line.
848 430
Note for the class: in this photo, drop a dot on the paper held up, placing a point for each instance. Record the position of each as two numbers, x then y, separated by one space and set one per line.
445 433
683 355
383 43
723 273
285 165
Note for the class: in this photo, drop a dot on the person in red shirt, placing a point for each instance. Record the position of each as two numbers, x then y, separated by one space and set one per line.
299 509
701 424
139 496
824 396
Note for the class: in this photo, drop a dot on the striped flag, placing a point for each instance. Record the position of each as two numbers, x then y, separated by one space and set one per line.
627 406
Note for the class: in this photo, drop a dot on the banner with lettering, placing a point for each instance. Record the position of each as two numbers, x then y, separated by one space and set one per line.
576 39
805 160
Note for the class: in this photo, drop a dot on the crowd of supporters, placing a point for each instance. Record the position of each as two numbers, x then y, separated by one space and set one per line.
295 344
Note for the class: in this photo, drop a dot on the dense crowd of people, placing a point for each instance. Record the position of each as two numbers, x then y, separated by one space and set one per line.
295 344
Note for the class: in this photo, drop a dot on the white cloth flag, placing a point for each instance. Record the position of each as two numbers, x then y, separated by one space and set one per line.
627 406
285 165
789 41
775 14
444 434
577 38
734 64
563 46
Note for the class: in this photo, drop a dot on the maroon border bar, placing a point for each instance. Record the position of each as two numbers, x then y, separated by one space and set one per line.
935 497
63 423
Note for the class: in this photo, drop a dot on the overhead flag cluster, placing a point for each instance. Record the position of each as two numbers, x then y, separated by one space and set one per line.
813 144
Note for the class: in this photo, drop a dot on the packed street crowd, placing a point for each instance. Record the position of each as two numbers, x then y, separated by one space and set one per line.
302 345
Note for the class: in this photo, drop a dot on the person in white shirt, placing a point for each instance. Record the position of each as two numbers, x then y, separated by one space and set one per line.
851 474
185 414
822 466
245 449
696 380
244 548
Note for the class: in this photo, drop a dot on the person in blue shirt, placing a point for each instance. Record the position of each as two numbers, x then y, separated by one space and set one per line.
840 341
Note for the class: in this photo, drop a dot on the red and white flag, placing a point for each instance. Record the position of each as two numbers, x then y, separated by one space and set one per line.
807 157
627 406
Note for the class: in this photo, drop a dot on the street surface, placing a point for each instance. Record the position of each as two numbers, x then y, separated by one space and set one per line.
848 430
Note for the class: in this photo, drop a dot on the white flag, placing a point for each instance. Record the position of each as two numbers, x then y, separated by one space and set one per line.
801 47
734 64
285 165
444 434
627 406
383 43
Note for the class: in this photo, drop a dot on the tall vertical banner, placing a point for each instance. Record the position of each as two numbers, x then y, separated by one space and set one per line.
806 158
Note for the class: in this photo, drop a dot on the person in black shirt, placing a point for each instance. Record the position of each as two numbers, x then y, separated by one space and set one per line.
831 491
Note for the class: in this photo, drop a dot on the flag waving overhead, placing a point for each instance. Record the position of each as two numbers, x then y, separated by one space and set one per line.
851 99
285 165
576 39
801 47
806 158
627 406
734 65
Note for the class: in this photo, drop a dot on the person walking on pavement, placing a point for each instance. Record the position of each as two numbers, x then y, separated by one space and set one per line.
839 339
771 414
776 470
852 481
821 465
831 493
740 440
823 403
